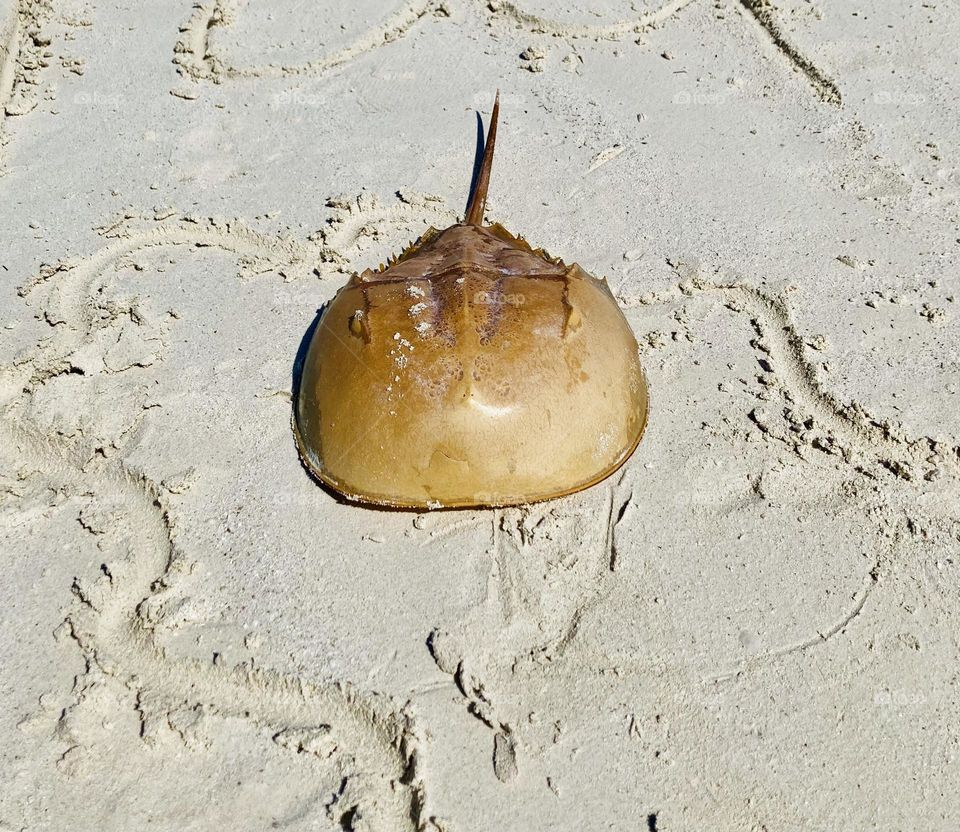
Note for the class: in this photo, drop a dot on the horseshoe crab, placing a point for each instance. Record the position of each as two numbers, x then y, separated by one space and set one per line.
472 370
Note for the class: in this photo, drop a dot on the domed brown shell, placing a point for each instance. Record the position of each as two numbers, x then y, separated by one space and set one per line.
474 371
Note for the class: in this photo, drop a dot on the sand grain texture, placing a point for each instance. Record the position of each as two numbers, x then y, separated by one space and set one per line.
751 626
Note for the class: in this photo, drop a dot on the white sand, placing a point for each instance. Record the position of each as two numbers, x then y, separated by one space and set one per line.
754 627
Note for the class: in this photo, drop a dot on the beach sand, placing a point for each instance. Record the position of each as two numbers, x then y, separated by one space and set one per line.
752 626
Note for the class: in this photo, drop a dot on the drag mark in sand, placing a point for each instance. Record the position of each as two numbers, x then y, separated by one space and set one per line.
762 12
10 42
873 446
195 58
22 56
759 10
542 25
109 624
356 219
70 282
618 499
538 584
821 636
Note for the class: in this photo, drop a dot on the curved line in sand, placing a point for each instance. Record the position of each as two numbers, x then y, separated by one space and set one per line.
10 31
543 25
25 16
109 625
825 87
351 220
780 340
821 637
70 295
195 58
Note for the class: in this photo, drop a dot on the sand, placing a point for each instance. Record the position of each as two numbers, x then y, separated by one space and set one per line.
752 626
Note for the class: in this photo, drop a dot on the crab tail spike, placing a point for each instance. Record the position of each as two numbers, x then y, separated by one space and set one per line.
478 201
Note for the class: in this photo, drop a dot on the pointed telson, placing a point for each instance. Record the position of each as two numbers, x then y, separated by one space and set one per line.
478 201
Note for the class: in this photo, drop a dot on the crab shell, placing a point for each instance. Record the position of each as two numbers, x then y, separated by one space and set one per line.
473 371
